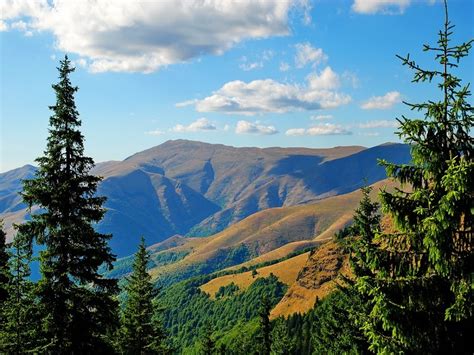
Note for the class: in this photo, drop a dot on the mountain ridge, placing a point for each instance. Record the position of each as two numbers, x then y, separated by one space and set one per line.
199 189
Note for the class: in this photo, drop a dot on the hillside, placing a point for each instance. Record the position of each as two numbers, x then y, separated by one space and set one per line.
263 237
286 271
316 279
199 189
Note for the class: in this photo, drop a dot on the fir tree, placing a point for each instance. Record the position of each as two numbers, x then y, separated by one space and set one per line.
419 280
282 344
334 328
208 345
141 330
76 300
365 226
20 329
265 331
4 272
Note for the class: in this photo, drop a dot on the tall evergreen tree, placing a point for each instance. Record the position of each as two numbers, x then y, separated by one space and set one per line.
76 300
208 345
265 332
20 329
141 330
4 271
419 280
365 226
282 344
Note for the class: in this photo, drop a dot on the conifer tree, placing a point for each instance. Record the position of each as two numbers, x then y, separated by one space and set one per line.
76 300
419 280
365 226
282 344
141 331
264 337
20 329
208 345
4 272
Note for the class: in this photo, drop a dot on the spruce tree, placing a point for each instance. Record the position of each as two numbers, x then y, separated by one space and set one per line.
141 331
265 330
77 303
282 344
419 280
20 329
4 272
208 345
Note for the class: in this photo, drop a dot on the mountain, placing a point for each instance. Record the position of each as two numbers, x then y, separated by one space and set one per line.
262 238
199 189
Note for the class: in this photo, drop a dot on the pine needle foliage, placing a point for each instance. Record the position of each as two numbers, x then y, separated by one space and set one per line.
4 270
19 332
76 301
419 280
264 337
208 344
141 330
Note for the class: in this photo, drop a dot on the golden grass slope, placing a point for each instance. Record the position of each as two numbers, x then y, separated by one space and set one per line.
274 233
286 271
316 279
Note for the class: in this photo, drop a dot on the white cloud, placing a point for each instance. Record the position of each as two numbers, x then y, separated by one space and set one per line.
186 103
143 36
263 96
264 57
284 66
307 54
296 132
201 124
382 102
254 128
321 117
371 7
155 132
251 66
81 62
325 129
326 79
378 124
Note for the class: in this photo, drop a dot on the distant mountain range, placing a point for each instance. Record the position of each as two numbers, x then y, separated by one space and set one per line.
197 189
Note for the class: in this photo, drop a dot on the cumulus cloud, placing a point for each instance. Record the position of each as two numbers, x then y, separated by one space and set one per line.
307 54
254 128
201 124
382 102
378 124
264 96
371 7
326 79
142 36
326 129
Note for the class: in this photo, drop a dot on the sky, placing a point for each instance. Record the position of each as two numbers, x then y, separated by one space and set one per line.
261 73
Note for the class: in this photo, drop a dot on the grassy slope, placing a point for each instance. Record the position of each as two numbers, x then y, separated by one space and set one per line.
286 271
308 278
275 232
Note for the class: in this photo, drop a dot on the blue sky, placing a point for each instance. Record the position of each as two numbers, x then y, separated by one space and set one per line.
246 73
